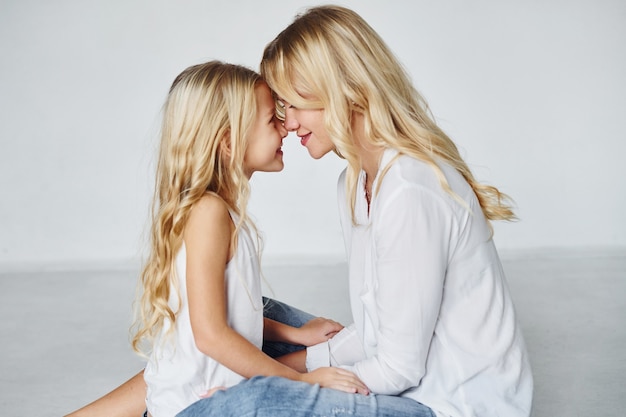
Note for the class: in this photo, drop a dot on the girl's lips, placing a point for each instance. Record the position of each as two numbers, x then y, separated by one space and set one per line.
304 139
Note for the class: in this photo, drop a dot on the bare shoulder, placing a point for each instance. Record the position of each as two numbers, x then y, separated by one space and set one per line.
211 203
210 212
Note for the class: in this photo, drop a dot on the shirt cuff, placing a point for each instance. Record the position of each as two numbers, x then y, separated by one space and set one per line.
345 348
317 356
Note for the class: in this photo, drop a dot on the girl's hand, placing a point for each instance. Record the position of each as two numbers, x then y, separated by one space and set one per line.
336 378
317 330
212 391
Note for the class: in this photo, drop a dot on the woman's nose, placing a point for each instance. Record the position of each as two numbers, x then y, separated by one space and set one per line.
291 123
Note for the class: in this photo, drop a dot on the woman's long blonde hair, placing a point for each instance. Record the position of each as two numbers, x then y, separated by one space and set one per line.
332 55
206 119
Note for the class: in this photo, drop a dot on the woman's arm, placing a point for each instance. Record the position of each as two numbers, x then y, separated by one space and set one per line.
207 241
127 400
412 237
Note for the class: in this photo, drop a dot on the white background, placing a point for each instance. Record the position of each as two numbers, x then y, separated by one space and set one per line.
533 93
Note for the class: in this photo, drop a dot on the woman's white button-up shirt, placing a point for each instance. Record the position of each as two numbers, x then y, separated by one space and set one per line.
433 317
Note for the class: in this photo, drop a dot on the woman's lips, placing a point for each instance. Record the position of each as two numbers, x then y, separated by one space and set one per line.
304 139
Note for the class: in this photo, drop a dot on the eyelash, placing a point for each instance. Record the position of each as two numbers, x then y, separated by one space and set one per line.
282 105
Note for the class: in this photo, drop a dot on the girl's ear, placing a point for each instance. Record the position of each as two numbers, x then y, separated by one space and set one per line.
225 150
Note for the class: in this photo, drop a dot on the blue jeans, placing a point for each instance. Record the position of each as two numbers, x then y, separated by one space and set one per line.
280 397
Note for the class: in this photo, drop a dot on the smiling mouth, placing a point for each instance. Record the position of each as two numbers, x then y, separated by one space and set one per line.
304 139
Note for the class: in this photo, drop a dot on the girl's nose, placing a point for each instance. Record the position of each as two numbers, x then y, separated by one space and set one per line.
281 128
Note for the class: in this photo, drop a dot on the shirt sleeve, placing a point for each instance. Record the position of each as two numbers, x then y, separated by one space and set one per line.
412 237
344 349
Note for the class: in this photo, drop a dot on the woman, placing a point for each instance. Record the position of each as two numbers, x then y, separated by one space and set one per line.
435 330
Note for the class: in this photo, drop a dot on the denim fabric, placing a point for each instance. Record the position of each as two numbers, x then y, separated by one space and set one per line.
280 397
286 314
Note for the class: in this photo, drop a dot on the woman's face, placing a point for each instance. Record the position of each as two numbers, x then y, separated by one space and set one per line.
309 126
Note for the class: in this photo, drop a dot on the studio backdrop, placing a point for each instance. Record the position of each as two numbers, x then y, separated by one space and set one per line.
533 93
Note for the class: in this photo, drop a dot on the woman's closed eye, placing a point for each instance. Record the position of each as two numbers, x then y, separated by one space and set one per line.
283 104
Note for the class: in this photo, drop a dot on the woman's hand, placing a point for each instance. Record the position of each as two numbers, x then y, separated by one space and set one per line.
317 330
336 378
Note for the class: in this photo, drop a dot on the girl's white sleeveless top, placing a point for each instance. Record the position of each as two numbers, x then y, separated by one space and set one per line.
177 373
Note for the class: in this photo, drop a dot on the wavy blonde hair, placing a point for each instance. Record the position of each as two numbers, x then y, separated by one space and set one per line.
330 58
207 116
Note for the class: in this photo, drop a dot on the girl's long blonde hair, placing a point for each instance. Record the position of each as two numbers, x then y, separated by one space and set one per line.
332 55
206 119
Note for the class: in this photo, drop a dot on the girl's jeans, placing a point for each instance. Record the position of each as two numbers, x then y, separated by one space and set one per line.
280 397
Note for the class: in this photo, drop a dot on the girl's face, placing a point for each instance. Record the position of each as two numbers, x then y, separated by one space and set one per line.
264 152
309 126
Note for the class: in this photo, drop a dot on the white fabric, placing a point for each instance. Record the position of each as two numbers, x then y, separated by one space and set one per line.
177 373
434 320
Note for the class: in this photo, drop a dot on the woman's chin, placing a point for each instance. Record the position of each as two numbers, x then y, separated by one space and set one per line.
317 154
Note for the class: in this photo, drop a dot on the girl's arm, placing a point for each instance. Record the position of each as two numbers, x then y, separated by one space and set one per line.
295 360
127 400
315 331
207 241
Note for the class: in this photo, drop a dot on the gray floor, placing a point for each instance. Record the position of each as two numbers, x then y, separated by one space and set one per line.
65 339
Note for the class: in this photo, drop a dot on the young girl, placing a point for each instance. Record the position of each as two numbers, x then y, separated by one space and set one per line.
201 310
435 331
